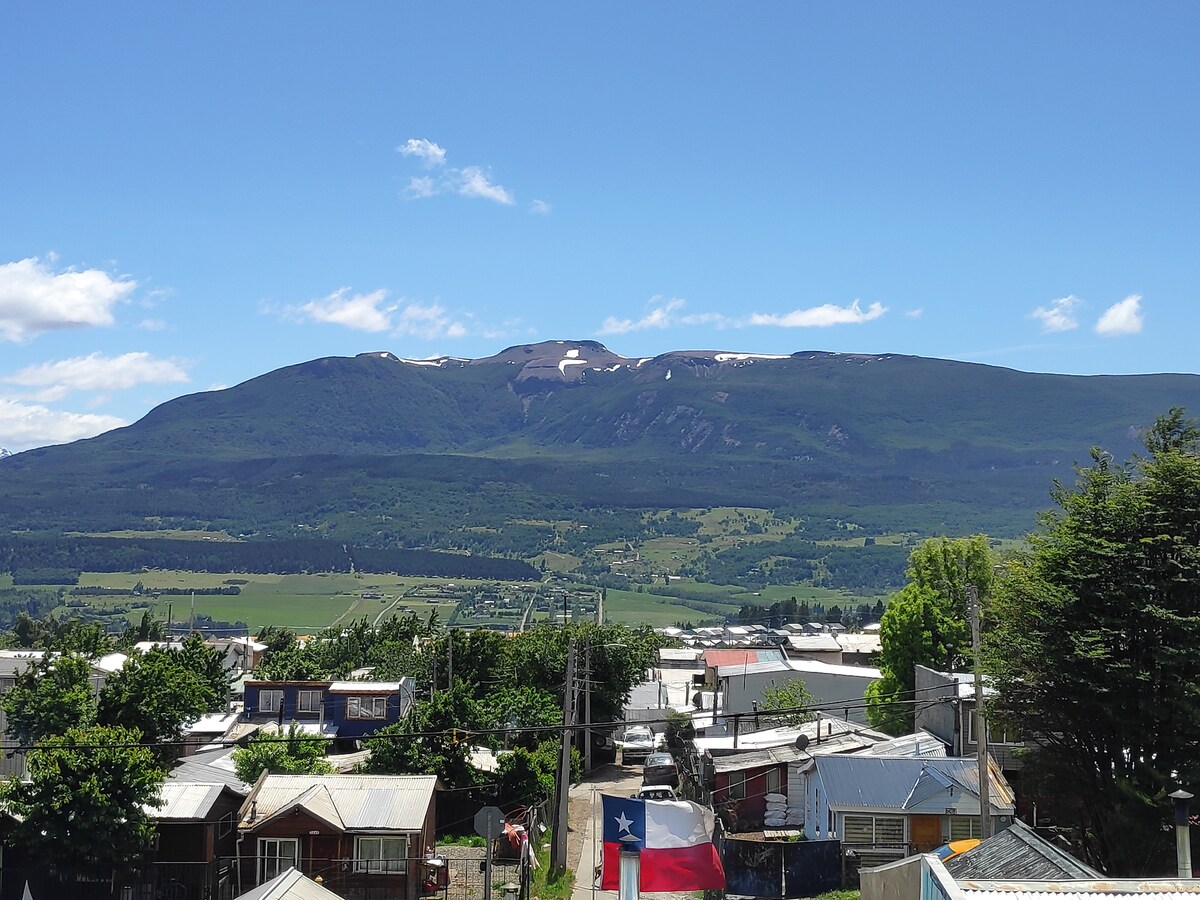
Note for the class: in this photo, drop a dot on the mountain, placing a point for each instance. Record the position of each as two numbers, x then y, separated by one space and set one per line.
445 452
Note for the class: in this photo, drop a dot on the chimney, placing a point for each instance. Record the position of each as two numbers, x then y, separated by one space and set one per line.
1183 840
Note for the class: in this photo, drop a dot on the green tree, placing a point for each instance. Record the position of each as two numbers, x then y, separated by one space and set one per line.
86 799
793 695
435 739
925 623
1092 648
207 662
523 708
157 695
290 753
49 697
526 777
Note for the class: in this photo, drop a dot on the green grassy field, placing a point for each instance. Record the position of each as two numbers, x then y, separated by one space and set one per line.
305 603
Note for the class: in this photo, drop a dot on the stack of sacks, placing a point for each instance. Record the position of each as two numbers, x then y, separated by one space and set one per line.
776 816
795 818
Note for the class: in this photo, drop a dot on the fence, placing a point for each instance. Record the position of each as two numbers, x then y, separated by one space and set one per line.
781 868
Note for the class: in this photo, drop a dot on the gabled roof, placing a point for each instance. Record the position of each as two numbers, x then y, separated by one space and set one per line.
290 885
209 766
186 801
757 759
890 782
1018 853
382 803
919 743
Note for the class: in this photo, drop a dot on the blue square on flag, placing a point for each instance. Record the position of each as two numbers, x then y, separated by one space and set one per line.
624 822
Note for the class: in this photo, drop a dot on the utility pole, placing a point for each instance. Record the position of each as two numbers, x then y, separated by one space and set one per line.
558 847
450 666
587 704
981 735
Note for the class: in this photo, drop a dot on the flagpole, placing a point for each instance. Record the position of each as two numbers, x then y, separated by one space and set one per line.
595 837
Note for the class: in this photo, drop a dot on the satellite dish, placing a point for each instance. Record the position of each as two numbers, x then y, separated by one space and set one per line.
802 742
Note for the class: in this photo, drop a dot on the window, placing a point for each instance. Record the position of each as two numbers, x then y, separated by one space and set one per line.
275 856
736 786
963 827
996 733
366 707
270 701
772 781
387 854
878 830
227 824
308 702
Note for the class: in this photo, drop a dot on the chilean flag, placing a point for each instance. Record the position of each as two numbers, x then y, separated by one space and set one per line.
673 838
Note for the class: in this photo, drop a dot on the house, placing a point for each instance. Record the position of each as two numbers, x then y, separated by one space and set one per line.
196 827
345 710
12 664
363 835
925 877
823 647
948 712
290 885
1018 853
885 807
741 687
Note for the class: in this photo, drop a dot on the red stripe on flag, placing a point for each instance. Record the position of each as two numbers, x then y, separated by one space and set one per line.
696 868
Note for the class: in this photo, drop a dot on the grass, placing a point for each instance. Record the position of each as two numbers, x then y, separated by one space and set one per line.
305 603
545 885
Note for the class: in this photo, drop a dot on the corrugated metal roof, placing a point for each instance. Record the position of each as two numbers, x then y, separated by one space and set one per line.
1157 889
800 666
357 802
836 736
920 743
290 885
889 782
748 657
185 800
1018 852
813 643
209 766
756 759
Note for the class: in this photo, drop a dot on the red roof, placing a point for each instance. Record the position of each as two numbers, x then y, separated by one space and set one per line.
714 658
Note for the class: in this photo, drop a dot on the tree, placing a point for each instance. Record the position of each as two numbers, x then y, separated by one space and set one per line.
1092 648
434 739
526 777
208 663
925 623
50 697
157 695
523 708
793 695
292 753
86 799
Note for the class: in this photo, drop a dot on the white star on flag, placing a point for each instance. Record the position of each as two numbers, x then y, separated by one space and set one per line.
623 824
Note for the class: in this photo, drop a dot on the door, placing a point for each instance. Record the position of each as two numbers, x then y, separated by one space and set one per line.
925 832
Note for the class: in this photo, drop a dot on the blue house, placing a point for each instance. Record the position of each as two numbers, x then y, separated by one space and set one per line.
343 710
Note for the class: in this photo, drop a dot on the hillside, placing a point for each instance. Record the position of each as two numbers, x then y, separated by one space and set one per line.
488 454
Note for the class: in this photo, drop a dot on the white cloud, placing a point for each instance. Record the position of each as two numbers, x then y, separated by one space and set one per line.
821 316
361 312
372 312
664 315
914 313
97 372
427 321
429 153
1059 315
1124 317
474 183
152 325
35 299
24 425
468 181
421 186
661 316
540 207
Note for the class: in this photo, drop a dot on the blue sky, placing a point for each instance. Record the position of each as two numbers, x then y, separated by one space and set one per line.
195 194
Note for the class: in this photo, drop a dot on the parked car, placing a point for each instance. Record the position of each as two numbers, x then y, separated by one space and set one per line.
660 768
638 743
655 792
